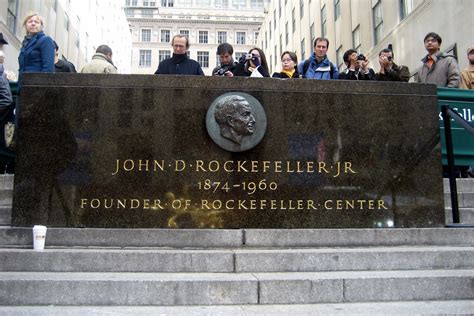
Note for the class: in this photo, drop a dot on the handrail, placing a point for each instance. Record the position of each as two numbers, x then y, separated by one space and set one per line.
447 113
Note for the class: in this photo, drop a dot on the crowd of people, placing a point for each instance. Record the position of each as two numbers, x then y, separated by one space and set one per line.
39 53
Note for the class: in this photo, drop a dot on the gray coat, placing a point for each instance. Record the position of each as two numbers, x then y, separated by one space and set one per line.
5 93
443 73
100 64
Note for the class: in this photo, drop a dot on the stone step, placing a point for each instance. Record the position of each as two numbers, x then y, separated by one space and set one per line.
5 215
465 200
462 185
227 238
466 215
134 289
453 307
6 181
237 260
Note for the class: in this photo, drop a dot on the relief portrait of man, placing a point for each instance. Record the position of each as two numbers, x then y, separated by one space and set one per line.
234 117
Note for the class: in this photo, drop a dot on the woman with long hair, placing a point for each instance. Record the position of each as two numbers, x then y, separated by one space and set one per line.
253 64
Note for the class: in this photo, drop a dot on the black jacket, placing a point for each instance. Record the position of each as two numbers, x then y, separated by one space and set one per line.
64 66
179 65
283 75
353 75
397 73
240 71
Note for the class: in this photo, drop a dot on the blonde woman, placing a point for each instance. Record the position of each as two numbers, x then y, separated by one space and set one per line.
37 51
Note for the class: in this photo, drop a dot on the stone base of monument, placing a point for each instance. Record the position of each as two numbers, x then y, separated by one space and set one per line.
252 268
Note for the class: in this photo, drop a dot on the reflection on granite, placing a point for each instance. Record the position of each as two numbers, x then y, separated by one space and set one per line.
133 151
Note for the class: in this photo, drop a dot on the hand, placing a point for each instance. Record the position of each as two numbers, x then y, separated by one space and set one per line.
228 73
256 61
242 59
365 65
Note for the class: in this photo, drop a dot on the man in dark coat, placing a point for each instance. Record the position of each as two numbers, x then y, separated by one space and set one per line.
61 65
179 63
389 71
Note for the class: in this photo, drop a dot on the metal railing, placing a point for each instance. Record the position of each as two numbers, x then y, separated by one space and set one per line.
449 114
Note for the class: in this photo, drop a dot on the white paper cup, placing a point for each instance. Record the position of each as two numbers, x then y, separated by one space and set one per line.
39 237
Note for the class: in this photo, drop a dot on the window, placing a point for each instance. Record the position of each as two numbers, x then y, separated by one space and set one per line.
221 4
240 38
303 49
301 8
221 37
203 59
257 4
147 13
167 3
279 8
287 36
339 57
406 6
129 13
238 4
55 5
281 44
146 35
239 54
275 54
324 30
163 54
275 18
165 36
134 3
337 9
12 15
66 22
184 32
311 33
270 30
378 21
145 58
266 42
255 38
356 38
293 19
146 3
203 37
203 3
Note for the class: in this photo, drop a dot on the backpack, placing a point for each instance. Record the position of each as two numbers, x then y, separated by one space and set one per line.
306 66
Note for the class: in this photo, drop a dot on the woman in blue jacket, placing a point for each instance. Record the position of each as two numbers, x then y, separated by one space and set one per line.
37 51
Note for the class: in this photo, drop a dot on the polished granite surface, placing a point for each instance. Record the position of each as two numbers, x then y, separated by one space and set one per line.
134 151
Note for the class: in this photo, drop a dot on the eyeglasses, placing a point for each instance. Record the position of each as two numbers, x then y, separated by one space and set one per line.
288 60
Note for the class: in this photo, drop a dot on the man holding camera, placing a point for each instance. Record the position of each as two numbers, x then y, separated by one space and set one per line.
357 67
227 64
389 71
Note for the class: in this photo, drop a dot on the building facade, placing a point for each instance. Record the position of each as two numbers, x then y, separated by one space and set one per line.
367 26
78 27
207 23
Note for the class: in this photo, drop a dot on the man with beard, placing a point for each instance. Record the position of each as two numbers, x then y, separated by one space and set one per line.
439 68
179 63
227 64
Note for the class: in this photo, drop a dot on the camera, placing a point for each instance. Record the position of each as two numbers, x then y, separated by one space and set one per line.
360 57
248 56
389 58
221 70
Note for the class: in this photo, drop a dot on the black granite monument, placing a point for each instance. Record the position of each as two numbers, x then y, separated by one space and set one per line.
150 151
